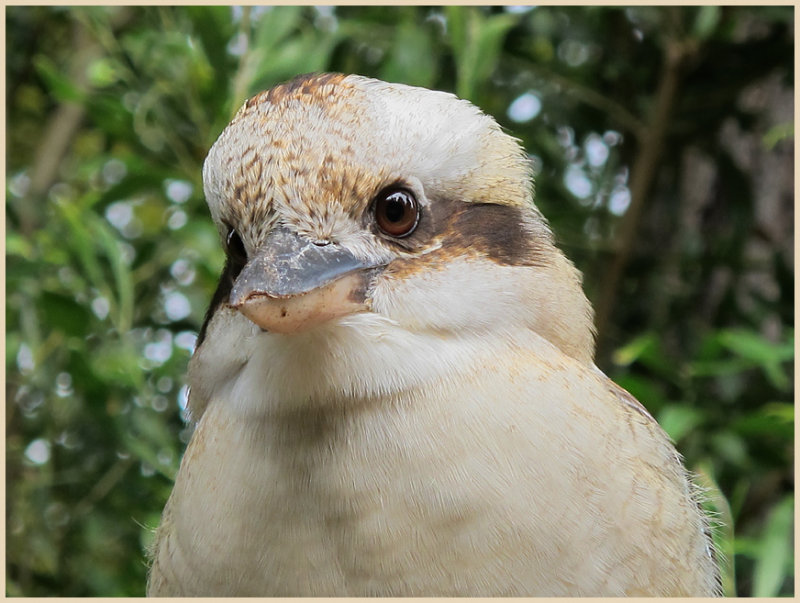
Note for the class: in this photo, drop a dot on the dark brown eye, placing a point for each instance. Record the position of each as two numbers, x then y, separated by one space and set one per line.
396 212
235 247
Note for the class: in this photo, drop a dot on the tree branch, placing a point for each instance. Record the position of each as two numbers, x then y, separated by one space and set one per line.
61 128
242 78
627 120
643 173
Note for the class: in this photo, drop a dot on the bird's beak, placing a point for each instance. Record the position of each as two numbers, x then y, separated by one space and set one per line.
292 284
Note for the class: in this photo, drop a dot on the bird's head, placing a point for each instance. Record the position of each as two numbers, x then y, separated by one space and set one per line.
364 222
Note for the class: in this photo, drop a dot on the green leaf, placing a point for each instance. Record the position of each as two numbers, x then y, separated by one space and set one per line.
731 447
477 41
706 22
146 436
722 524
647 391
103 72
61 87
109 243
778 133
212 27
635 349
17 244
774 562
679 420
775 419
275 25
411 59
92 239
80 242
718 368
305 53
489 43
63 313
755 348
780 411
117 362
457 28
646 349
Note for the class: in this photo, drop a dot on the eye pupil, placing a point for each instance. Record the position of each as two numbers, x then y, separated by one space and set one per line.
395 208
396 212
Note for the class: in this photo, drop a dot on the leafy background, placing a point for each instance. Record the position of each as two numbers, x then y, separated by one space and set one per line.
663 143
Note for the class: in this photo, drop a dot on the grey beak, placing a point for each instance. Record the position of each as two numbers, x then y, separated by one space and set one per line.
288 265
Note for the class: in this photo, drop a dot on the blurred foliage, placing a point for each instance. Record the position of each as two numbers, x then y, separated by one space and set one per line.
662 140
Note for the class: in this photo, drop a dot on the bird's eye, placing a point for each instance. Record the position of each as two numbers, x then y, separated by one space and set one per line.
396 212
235 246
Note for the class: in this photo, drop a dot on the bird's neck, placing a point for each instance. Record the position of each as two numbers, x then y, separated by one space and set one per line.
365 357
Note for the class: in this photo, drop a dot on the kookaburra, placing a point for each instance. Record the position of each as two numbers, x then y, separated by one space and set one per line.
394 389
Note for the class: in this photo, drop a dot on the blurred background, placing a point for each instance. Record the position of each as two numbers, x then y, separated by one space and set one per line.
663 145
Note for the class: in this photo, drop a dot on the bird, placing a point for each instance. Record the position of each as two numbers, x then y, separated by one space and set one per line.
394 391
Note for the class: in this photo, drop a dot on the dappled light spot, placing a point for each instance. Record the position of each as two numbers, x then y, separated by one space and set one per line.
38 451
525 107
177 306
